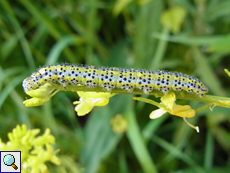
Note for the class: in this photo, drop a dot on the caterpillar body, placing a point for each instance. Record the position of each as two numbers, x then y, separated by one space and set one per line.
110 78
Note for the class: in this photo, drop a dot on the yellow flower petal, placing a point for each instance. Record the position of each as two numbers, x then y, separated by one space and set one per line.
157 113
168 100
90 99
94 94
36 101
41 92
183 111
101 101
39 96
83 108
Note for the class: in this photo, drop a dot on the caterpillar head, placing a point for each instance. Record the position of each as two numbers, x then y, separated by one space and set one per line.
204 89
27 84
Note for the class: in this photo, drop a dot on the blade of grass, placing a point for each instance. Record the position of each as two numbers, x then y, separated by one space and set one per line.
209 151
20 34
59 46
100 140
10 86
44 19
8 46
146 22
160 51
207 75
151 127
177 153
22 116
137 143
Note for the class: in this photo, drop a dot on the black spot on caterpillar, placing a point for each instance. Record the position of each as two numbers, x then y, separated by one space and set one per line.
110 78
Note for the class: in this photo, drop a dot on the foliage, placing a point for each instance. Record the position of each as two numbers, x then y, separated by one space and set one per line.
130 35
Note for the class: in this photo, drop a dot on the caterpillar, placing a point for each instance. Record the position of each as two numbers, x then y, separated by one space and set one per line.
110 78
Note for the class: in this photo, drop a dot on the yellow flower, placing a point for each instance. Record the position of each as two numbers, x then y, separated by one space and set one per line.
168 105
35 150
173 18
40 96
119 124
90 99
178 110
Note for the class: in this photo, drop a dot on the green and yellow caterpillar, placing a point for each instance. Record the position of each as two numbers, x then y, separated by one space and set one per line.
110 78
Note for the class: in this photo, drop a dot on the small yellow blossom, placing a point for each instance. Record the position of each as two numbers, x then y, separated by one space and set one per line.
178 110
35 151
119 124
90 99
168 105
40 96
173 18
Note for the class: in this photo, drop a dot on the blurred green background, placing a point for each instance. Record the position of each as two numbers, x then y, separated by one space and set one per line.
192 37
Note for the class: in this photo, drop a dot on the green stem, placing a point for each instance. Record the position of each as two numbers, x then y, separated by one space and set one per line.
226 71
204 107
150 102
53 93
216 100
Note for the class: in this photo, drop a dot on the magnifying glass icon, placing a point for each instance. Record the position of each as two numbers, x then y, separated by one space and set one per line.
9 160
